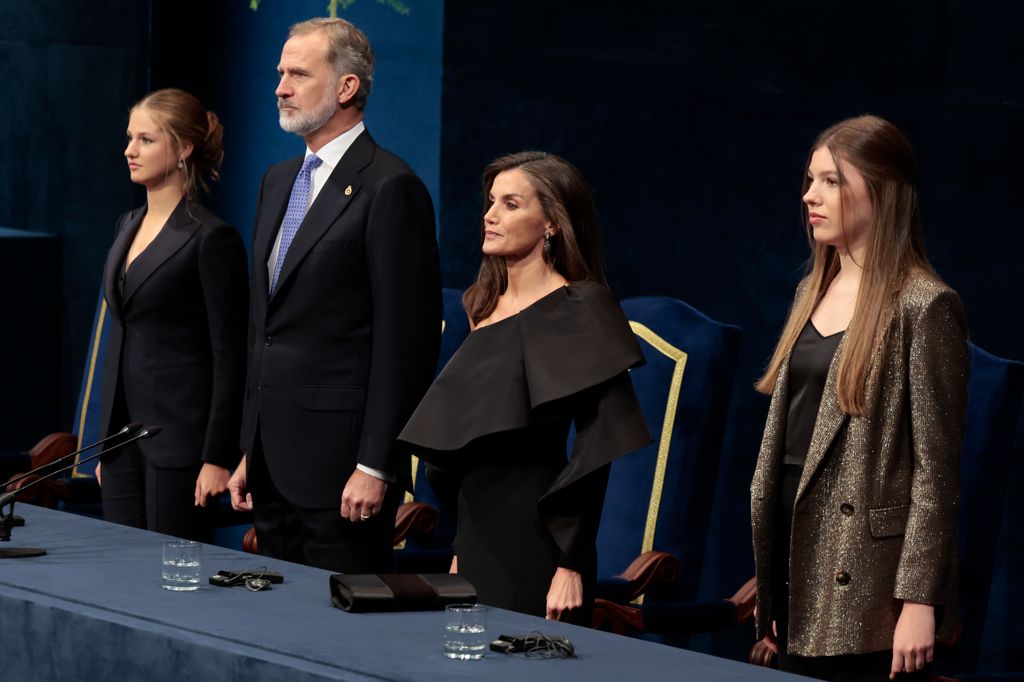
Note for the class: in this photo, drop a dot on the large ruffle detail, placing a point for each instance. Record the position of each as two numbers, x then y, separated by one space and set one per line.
503 375
575 346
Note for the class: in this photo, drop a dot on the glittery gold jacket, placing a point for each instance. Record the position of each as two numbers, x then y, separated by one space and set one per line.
875 514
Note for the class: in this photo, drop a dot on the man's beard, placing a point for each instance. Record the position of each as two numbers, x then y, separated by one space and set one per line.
306 122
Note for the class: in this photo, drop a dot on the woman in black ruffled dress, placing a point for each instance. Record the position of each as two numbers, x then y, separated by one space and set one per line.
550 347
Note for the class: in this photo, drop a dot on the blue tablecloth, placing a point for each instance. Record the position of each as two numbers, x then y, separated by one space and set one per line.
92 609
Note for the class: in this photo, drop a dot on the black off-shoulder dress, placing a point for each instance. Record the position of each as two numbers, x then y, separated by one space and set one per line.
496 422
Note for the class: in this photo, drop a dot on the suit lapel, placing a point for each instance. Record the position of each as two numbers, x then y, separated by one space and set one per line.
342 186
115 259
830 418
178 229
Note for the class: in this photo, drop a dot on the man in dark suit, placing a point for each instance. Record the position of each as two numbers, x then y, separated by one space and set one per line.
345 318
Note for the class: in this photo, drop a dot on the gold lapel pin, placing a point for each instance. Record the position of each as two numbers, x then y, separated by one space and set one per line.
348 191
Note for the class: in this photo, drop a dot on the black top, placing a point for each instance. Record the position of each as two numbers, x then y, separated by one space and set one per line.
516 373
808 369
497 418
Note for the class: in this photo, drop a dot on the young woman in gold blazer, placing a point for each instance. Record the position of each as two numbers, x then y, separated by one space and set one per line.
854 498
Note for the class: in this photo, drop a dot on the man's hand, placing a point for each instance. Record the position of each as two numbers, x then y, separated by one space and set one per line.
913 642
240 499
212 481
362 497
99 474
565 594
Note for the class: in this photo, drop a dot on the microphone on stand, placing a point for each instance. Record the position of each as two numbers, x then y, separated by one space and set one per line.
127 430
7 499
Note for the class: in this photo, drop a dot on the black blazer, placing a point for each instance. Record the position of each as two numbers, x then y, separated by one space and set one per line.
176 344
343 351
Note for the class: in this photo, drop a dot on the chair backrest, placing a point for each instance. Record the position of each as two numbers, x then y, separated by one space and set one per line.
454 329
995 394
90 396
1002 639
660 497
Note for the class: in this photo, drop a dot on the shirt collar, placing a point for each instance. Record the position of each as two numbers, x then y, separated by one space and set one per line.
330 154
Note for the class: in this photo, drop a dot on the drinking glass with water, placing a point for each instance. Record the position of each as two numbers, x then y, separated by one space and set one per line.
465 634
181 565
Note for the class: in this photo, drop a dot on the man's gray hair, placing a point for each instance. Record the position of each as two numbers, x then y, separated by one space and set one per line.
348 51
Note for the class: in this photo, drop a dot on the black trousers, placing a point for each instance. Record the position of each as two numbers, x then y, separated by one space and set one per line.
319 537
137 494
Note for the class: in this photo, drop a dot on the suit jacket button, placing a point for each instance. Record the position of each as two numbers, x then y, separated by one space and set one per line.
259 385
269 341
847 509
843 578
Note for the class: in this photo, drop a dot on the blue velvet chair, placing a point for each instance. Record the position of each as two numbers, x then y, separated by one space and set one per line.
657 507
995 395
425 528
1002 638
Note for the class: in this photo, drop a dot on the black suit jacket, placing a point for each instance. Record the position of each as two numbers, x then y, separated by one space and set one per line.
343 350
176 346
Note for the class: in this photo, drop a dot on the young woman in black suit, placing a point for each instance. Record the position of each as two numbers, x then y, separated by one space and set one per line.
176 289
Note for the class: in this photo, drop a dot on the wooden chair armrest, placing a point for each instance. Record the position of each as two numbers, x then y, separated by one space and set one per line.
51 448
414 518
249 542
47 494
617 618
745 600
650 569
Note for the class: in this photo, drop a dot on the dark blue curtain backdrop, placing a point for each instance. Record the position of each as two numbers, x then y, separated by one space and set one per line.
692 122
71 70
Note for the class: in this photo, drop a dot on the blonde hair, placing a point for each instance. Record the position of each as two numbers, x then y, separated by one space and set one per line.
186 121
895 249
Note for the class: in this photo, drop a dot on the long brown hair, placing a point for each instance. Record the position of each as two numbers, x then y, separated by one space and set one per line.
184 118
895 249
566 201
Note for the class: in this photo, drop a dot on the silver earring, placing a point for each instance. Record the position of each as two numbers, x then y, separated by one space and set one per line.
547 243
181 164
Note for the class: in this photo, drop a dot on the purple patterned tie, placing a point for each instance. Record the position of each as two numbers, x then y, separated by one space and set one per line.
298 204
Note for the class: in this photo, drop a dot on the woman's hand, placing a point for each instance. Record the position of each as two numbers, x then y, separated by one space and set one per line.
565 594
212 481
913 642
455 564
99 475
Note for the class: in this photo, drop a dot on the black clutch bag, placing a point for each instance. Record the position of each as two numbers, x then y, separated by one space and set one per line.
371 592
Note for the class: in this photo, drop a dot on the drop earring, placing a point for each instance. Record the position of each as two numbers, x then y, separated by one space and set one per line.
547 243
181 164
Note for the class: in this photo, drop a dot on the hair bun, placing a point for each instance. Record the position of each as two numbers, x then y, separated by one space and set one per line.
213 145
